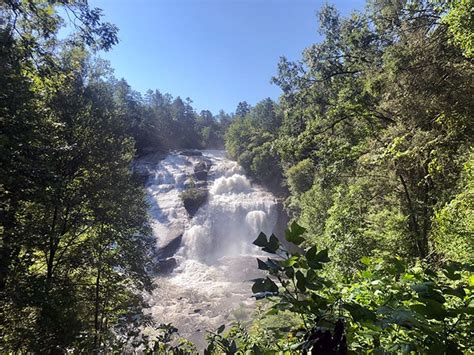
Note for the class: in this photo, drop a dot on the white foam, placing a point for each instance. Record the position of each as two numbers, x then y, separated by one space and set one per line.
217 257
234 184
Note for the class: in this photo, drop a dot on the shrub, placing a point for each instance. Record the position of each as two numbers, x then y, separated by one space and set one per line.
193 198
300 176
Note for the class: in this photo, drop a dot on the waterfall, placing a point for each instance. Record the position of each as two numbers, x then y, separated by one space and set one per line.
213 257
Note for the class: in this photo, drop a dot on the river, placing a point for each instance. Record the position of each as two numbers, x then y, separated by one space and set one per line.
208 259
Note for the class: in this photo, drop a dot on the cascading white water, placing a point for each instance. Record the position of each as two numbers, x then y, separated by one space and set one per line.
209 285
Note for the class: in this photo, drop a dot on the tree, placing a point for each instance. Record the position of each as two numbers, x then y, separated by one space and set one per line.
243 108
375 100
73 217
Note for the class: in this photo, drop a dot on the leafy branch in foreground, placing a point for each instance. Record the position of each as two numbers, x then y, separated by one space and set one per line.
388 306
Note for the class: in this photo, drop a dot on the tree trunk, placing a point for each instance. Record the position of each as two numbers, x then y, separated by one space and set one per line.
413 223
97 320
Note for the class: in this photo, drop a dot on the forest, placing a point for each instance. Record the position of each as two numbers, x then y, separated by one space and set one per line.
370 146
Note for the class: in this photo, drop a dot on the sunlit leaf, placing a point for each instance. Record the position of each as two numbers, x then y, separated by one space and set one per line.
294 233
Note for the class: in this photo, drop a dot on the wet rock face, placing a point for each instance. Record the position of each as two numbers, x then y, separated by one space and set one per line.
142 166
200 175
169 249
201 170
193 198
141 176
166 266
190 153
196 192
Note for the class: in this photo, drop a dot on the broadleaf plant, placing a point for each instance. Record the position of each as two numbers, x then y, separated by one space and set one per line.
387 306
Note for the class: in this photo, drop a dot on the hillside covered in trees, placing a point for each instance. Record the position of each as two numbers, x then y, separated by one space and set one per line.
369 146
372 140
76 247
373 133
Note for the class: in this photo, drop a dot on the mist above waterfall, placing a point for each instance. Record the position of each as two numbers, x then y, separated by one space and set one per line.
216 258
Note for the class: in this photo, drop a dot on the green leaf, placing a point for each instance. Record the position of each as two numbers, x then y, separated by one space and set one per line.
436 347
273 264
262 265
270 285
315 259
264 285
297 229
300 281
315 265
272 245
360 313
272 312
311 257
258 286
256 350
468 267
290 261
457 292
311 252
311 275
313 286
294 233
431 309
221 329
289 272
323 256
398 266
261 240
319 301
233 347
436 308
450 271
470 280
426 290
421 309
452 348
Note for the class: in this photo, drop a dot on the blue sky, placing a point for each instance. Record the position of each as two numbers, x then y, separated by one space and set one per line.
217 52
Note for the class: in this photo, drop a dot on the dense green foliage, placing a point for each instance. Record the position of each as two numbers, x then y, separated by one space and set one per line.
159 122
74 232
370 144
374 146
374 130
250 140
76 247
387 306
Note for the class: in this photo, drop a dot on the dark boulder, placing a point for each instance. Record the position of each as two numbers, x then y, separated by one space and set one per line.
167 266
201 170
200 175
193 199
169 249
203 165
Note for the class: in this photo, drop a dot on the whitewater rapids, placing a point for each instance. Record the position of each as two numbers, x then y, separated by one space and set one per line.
209 285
